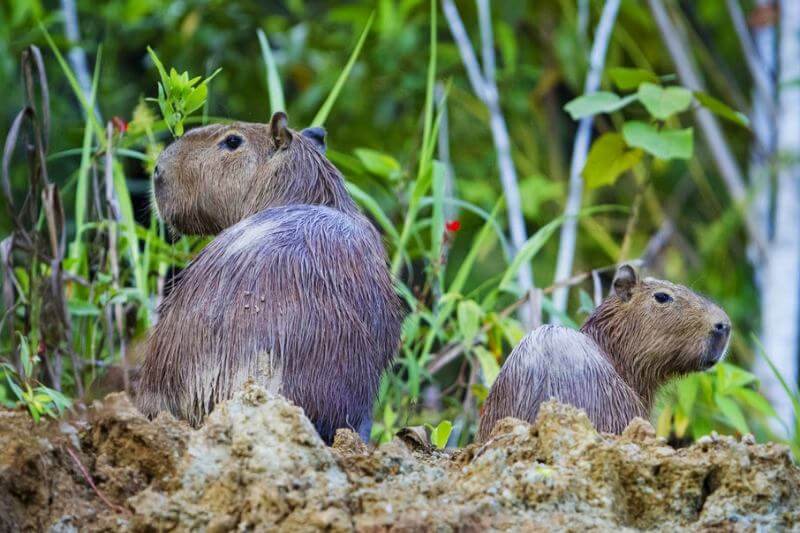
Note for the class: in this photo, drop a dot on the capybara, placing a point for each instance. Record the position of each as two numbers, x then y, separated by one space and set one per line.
294 293
646 332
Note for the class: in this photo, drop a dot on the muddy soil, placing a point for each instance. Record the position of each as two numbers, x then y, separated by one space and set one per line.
257 464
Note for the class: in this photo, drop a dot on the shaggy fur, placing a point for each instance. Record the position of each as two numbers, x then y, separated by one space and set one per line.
297 297
630 345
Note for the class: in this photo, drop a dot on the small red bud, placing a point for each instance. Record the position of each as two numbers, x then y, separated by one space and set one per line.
453 226
119 124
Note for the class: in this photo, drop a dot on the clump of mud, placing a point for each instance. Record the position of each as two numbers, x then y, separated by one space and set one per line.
257 464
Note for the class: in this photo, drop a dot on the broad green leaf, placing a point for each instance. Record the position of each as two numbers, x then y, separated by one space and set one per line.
664 422
587 305
627 79
662 102
489 366
82 308
441 434
686 390
608 159
755 401
681 422
721 110
378 163
733 414
597 102
274 88
663 144
469 315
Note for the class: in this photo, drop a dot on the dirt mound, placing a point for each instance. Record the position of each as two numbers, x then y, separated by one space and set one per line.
257 464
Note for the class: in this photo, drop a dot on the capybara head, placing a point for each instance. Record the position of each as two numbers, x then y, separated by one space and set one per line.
217 175
654 330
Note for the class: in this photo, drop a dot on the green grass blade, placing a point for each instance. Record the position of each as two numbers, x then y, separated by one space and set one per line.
82 189
73 82
437 220
274 88
430 127
322 114
792 394
535 243
369 203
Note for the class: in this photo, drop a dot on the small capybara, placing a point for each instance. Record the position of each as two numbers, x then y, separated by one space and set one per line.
294 293
646 332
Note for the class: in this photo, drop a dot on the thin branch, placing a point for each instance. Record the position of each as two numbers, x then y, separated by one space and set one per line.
85 473
487 40
715 139
580 150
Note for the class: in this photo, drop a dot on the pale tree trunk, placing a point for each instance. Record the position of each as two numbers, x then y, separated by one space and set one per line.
580 150
781 285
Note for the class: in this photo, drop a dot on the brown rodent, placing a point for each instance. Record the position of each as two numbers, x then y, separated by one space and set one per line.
294 292
646 332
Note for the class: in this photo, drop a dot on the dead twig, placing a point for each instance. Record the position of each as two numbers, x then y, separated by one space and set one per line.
88 478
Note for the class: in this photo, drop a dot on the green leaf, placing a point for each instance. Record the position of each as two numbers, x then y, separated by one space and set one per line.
755 401
687 390
733 413
378 163
587 305
662 102
597 102
274 88
469 315
627 79
489 366
369 203
608 160
441 434
324 111
664 144
82 308
721 110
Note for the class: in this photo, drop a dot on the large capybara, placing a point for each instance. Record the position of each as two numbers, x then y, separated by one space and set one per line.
294 292
646 332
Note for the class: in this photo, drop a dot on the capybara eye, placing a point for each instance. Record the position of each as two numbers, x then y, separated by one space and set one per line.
662 297
232 142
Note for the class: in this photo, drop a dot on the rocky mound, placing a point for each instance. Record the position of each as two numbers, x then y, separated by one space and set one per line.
257 464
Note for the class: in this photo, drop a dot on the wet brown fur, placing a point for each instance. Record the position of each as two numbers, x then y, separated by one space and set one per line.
294 293
629 346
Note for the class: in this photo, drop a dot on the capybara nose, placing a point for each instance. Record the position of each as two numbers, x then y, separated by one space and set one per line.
722 329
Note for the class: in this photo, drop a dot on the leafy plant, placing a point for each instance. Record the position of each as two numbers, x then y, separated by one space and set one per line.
720 398
613 153
441 433
178 95
38 399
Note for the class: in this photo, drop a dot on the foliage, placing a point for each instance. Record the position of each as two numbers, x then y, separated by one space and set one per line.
179 96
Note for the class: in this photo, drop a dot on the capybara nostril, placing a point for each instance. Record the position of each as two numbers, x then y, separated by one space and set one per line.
722 328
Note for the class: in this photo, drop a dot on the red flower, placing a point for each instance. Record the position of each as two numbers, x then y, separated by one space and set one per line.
453 225
119 124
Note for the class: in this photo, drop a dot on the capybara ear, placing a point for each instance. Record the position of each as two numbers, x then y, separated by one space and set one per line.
317 135
279 130
624 282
